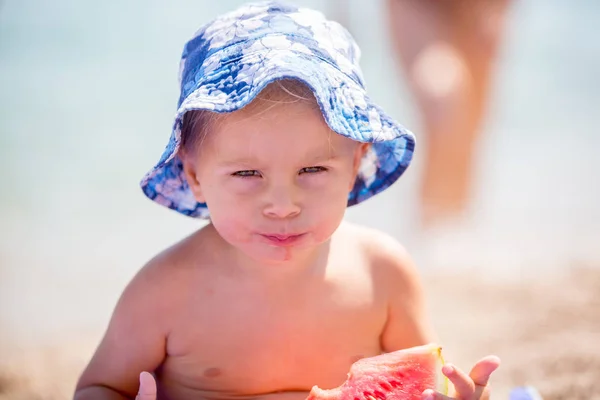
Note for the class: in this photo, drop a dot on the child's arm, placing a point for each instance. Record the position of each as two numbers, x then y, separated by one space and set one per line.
408 325
134 341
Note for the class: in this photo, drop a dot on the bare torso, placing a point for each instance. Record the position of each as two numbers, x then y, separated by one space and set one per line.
233 337
210 330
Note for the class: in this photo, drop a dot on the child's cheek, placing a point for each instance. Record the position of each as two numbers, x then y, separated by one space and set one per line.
332 184
243 186
233 228
317 182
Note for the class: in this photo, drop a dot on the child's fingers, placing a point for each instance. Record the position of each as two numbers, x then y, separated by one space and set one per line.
463 385
480 374
147 389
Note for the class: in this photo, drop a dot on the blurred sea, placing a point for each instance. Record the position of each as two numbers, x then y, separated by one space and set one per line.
88 90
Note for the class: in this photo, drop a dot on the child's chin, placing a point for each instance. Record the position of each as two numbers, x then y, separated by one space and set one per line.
273 255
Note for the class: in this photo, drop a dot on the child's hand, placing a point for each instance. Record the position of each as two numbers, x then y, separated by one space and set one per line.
147 389
471 387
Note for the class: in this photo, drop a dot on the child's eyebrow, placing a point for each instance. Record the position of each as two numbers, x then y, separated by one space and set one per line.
324 157
238 161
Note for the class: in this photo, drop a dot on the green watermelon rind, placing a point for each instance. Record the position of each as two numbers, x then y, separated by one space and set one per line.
441 379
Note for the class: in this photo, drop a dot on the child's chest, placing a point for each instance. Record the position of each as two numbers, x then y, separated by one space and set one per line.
246 341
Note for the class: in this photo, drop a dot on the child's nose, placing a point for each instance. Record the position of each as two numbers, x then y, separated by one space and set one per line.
281 204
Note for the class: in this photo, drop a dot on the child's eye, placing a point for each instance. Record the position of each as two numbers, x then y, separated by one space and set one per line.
312 170
246 173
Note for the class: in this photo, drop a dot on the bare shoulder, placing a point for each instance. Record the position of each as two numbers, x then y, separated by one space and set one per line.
164 273
396 276
383 253
136 337
172 266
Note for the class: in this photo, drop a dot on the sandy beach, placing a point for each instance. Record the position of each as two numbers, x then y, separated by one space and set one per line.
545 332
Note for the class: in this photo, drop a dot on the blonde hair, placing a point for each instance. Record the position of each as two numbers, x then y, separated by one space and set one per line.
198 123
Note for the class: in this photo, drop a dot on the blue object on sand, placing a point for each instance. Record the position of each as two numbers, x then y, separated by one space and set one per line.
525 393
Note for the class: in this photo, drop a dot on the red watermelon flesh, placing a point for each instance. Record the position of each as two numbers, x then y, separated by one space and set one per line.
400 375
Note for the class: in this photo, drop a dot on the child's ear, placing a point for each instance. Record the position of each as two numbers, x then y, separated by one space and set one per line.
359 153
191 176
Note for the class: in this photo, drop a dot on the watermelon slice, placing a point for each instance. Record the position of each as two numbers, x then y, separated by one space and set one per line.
400 375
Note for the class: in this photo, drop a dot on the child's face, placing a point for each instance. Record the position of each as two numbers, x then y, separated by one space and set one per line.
276 182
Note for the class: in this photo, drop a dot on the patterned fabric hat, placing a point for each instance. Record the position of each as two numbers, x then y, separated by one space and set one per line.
231 59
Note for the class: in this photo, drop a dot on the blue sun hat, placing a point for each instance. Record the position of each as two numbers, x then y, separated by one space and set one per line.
231 59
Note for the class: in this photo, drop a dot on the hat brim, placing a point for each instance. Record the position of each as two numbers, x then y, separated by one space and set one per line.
344 103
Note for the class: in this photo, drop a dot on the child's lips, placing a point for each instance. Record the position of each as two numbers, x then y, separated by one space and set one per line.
282 240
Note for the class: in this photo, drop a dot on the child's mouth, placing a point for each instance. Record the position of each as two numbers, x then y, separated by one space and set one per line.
282 240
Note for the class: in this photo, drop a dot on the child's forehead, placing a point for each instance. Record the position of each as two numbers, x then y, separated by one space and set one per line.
279 130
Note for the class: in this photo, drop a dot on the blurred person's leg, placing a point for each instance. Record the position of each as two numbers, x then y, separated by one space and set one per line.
447 49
